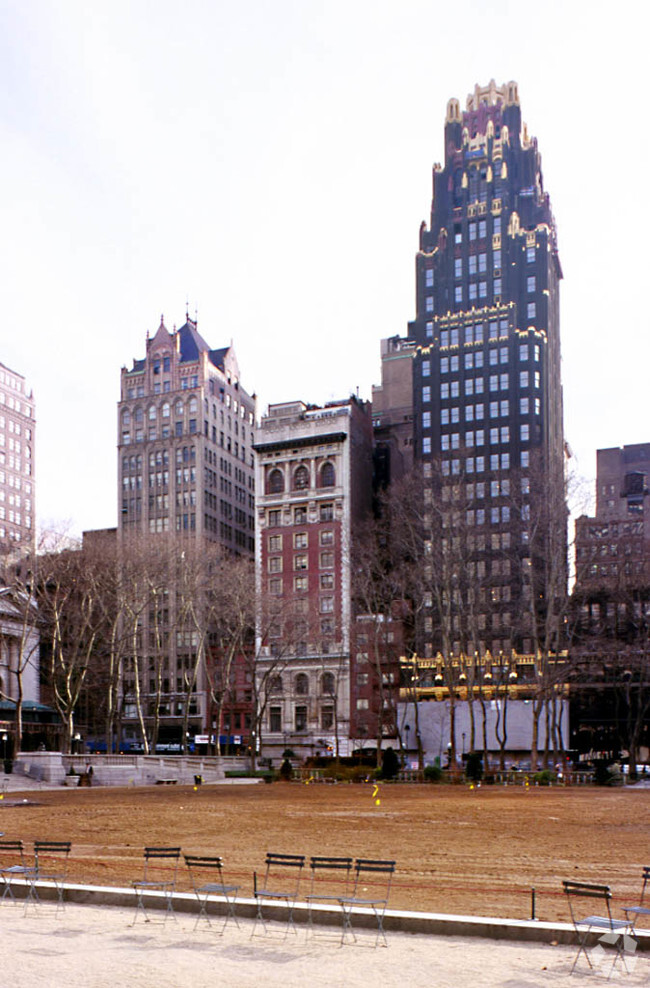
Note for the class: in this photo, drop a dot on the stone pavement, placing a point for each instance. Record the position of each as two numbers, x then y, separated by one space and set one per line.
98 947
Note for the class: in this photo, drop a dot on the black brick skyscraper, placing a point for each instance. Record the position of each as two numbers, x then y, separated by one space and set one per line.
487 389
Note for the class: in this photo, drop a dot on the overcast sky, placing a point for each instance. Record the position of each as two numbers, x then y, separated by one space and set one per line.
271 163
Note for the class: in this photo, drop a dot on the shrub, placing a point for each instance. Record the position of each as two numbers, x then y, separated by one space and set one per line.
389 764
433 773
286 770
474 766
544 778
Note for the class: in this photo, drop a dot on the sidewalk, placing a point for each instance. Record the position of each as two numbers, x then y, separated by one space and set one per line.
94 947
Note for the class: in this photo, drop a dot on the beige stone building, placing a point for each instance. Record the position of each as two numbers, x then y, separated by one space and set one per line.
17 428
186 430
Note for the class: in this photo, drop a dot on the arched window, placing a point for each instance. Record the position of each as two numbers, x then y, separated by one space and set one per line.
275 484
275 685
138 415
327 475
301 479
193 405
179 407
328 683
152 413
302 684
126 417
165 410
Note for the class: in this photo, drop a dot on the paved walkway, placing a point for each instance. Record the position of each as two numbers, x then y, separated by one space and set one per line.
97 947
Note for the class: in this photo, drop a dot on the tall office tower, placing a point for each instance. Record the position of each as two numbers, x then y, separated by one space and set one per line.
185 447
185 467
17 428
487 389
314 483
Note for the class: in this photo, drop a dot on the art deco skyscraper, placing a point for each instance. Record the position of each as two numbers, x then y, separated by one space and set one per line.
487 389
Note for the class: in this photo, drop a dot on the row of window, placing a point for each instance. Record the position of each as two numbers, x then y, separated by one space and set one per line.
476 464
299 516
300 540
301 562
301 583
300 479
495 383
326 719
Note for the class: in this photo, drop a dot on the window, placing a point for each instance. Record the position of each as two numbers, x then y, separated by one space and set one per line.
426 394
327 718
429 303
301 718
523 379
482 229
531 310
275 585
426 420
275 483
300 516
301 584
327 537
524 406
429 330
275 564
472 231
274 518
275 543
458 267
426 368
524 432
326 581
428 277
301 478
300 562
531 284
275 720
472 264
426 444
326 512
300 540
530 255
302 684
326 605
327 475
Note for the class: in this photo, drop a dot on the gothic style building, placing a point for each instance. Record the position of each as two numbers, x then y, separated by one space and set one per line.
185 468
487 393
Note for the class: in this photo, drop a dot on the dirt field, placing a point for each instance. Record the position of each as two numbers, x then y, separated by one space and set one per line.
457 850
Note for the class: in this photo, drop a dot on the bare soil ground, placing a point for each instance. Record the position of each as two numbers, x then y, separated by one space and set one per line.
457 850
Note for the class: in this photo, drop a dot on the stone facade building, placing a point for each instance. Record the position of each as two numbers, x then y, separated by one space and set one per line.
487 389
314 482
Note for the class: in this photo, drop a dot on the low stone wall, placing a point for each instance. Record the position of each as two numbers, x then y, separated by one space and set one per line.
117 770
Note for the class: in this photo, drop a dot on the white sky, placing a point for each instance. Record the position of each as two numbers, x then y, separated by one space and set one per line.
270 161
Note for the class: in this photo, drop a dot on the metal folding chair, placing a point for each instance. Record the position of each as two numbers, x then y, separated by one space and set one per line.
50 866
367 872
330 880
12 866
200 869
281 882
612 930
158 880
633 913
